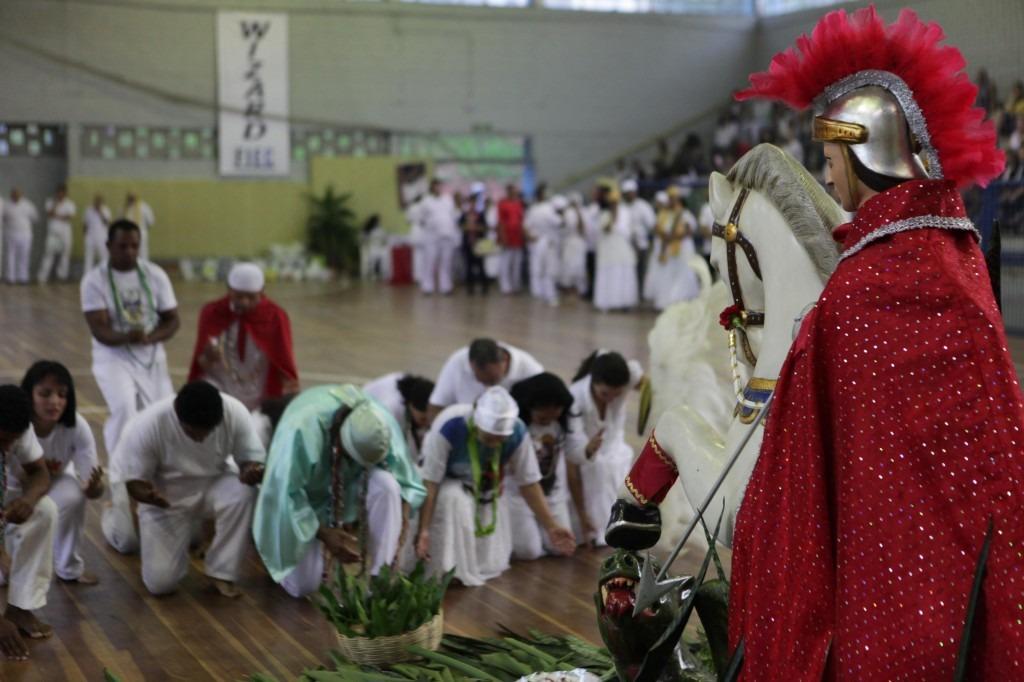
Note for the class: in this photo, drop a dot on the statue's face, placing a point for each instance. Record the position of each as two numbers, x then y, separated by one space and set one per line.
836 178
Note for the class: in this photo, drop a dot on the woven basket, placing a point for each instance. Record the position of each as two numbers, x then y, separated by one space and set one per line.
388 650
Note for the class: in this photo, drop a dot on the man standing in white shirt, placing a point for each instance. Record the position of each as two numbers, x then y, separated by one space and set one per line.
30 518
175 460
439 219
139 212
60 211
97 222
131 310
19 215
643 221
543 225
471 370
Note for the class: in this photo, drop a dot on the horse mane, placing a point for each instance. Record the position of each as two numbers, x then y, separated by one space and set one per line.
803 202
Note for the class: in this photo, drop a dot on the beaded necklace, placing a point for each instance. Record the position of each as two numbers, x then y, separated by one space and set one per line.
119 310
473 446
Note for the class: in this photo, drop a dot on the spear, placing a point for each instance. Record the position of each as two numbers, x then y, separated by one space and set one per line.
651 588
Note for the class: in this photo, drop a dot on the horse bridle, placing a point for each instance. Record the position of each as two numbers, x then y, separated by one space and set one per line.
730 232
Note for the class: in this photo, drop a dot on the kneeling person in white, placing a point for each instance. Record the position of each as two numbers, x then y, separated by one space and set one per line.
464 521
30 518
544 406
337 457
174 458
69 451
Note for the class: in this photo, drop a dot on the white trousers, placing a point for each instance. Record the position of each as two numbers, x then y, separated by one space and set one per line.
18 253
128 388
30 546
544 271
438 256
57 249
66 492
602 479
117 522
529 540
510 271
384 515
165 534
95 249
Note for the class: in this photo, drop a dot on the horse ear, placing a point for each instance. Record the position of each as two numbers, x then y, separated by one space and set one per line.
720 194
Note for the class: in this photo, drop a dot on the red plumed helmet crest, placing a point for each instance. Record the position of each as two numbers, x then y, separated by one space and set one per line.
941 96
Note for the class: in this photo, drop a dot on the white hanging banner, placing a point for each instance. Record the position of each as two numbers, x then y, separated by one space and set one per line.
252 92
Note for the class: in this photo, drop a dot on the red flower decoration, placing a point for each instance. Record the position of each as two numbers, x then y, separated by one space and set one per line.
731 318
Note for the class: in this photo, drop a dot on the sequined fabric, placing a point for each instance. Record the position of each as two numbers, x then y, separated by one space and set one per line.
895 436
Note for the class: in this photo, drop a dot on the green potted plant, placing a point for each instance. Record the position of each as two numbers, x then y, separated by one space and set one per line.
332 231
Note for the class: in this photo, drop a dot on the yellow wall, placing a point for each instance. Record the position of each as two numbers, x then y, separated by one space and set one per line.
373 182
241 218
206 217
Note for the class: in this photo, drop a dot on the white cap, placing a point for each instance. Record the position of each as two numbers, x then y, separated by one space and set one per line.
477 188
629 186
661 198
496 412
246 277
576 198
559 203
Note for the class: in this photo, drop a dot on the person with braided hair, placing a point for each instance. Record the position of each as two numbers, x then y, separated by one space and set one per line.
337 458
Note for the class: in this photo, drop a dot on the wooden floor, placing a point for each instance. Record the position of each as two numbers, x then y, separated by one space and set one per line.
341 334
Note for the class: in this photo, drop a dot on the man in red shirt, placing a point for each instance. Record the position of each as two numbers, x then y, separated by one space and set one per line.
510 238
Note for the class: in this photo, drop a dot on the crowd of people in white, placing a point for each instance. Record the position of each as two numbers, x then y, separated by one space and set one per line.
616 250
19 215
497 460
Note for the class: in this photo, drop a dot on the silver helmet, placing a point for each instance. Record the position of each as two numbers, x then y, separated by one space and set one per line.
872 122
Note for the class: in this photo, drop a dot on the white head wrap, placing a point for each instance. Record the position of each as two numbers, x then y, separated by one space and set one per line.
496 412
246 277
559 203
629 186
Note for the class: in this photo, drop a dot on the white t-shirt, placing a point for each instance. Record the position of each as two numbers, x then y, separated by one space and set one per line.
457 384
24 450
542 221
141 214
154 447
521 467
614 422
385 390
138 307
438 216
19 216
70 450
97 221
64 212
643 221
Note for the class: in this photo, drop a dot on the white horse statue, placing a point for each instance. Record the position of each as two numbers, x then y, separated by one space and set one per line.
776 220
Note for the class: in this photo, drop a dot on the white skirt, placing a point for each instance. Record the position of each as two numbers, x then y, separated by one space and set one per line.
615 284
677 281
453 540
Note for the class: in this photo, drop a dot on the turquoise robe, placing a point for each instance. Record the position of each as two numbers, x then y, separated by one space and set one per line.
295 497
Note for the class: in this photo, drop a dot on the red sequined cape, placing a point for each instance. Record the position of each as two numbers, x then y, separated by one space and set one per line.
895 435
267 325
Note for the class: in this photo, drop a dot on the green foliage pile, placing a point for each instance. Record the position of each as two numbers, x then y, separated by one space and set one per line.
385 605
462 659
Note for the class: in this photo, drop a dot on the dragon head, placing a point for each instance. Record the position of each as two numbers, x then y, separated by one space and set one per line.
629 638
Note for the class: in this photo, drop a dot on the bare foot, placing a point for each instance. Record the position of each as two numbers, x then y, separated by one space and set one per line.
27 623
225 588
11 643
84 579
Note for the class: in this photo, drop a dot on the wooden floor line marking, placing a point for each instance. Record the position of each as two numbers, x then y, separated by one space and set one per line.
519 602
